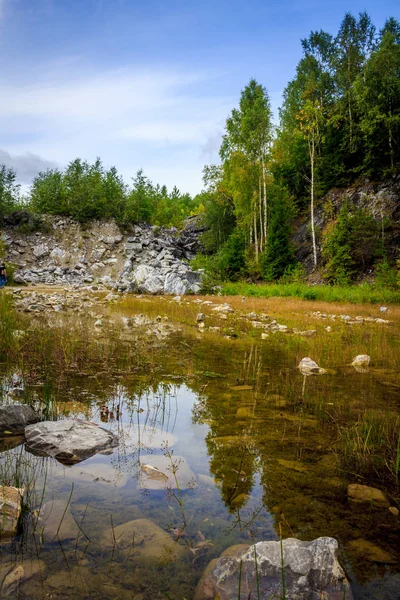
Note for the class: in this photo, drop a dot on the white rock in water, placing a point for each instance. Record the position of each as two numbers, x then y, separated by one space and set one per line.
361 360
308 366
311 570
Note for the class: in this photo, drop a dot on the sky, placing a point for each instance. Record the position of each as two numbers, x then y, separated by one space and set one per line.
145 83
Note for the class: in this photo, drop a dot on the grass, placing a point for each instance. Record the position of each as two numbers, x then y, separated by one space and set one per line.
361 294
372 446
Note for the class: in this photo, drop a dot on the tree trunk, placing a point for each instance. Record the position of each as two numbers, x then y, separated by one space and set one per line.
261 217
255 233
265 201
312 157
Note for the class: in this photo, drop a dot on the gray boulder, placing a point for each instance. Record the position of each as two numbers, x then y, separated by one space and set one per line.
311 571
69 441
15 417
148 279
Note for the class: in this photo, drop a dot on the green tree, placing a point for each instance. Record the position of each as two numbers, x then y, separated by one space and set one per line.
9 190
378 92
248 134
279 252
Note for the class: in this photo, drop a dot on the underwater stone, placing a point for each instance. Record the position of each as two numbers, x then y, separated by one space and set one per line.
311 570
363 493
55 521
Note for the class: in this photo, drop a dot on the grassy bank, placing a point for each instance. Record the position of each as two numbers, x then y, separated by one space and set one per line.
365 293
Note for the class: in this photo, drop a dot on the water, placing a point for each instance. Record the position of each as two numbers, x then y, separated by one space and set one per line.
253 446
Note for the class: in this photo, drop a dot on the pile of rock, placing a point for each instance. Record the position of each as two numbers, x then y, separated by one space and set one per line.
145 259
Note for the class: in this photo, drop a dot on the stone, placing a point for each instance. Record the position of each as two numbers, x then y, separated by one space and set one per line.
361 360
368 495
55 522
244 412
142 539
200 317
311 570
69 441
40 251
12 575
308 366
367 551
148 280
174 285
15 417
174 472
10 509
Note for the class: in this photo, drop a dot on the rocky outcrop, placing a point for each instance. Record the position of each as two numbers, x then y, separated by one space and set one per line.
310 570
143 259
15 417
68 441
380 199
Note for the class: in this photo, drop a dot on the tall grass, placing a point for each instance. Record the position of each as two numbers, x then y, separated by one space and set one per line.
372 446
365 293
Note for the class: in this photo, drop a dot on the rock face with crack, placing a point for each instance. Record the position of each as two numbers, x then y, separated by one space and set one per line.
15 417
311 570
141 259
69 441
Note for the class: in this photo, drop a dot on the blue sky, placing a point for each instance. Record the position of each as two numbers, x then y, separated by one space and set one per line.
144 83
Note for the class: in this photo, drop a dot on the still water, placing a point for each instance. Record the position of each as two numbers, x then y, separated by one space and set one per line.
247 449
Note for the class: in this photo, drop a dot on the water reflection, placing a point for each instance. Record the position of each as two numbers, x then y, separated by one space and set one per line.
248 453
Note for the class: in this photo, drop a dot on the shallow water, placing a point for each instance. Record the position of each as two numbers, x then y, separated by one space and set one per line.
251 443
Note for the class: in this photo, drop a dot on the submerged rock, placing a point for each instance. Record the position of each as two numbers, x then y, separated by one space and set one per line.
365 494
12 575
367 551
55 522
10 509
15 417
142 539
170 473
68 441
311 570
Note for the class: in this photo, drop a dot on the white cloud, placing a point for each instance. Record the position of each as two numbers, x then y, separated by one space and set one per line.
130 117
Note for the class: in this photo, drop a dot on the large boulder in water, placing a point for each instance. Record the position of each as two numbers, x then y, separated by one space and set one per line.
15 417
311 570
69 441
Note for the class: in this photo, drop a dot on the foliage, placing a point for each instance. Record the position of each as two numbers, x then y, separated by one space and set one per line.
9 190
279 254
349 245
87 191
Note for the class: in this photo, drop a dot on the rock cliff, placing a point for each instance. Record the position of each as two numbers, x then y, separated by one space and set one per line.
142 258
380 199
